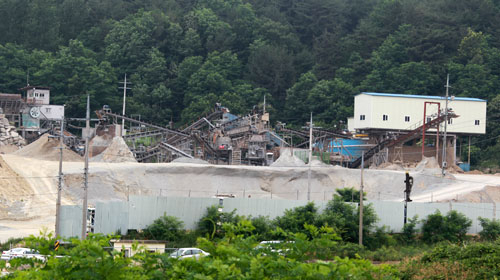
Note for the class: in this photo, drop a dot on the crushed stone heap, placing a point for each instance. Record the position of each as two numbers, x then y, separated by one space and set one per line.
117 151
8 134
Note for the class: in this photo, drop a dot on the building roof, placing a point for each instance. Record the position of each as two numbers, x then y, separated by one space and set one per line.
422 96
10 96
33 87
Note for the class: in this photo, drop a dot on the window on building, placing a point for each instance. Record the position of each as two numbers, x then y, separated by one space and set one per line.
407 118
476 122
385 117
361 117
428 120
450 121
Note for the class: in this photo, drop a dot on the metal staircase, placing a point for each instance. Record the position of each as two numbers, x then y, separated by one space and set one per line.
402 138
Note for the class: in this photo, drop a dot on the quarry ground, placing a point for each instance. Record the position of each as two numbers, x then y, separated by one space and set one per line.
28 185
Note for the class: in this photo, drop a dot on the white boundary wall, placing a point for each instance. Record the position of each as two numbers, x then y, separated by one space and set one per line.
140 211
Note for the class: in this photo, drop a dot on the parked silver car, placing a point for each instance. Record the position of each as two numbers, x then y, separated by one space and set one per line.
19 253
183 253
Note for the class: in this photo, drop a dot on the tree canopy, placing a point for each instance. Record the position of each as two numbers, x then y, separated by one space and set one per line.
305 56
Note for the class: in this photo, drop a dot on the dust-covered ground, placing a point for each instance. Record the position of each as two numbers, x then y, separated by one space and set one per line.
31 195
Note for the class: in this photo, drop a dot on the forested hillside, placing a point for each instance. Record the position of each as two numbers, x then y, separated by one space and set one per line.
182 56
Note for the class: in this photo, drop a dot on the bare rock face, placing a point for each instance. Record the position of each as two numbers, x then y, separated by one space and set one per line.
8 134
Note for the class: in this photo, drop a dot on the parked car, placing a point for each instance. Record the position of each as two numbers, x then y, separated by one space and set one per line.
183 253
19 253
273 246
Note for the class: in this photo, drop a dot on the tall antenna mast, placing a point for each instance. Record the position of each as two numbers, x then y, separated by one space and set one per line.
124 102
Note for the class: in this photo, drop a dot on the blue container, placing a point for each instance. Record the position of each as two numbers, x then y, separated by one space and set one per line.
348 147
464 166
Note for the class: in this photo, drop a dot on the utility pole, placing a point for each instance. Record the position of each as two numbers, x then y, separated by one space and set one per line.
443 165
361 200
86 172
124 98
59 183
310 158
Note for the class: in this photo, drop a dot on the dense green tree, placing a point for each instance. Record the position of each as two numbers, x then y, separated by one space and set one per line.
296 107
271 67
350 195
75 72
344 217
129 42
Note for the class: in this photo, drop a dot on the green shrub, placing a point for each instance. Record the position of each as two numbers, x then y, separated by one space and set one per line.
166 228
293 220
10 242
409 231
452 261
452 227
349 250
211 223
491 229
263 227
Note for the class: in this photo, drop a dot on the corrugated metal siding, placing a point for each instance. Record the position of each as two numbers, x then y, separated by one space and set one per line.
71 221
141 211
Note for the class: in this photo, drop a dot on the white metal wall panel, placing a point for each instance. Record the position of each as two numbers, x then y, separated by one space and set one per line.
71 221
141 211
397 107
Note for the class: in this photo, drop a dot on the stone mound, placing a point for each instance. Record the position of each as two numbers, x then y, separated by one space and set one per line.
117 151
9 135
287 160
46 148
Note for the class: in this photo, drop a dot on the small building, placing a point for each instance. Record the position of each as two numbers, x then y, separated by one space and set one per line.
381 116
37 95
127 246
385 111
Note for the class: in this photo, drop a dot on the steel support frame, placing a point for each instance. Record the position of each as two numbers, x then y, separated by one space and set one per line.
437 128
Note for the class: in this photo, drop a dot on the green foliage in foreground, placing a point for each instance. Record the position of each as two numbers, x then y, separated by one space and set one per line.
233 257
491 229
451 261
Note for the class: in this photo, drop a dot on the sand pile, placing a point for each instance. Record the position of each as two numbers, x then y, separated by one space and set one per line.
318 163
117 151
46 148
9 149
190 160
13 189
287 160
453 168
